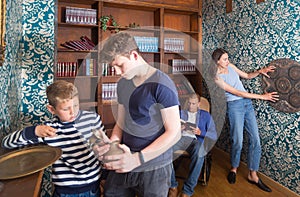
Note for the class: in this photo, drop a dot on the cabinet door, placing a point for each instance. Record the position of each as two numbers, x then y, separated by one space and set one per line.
182 49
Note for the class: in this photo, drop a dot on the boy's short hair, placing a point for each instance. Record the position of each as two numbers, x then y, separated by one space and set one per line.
121 43
60 91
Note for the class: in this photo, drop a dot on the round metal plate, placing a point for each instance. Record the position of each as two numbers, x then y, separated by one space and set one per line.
27 161
286 81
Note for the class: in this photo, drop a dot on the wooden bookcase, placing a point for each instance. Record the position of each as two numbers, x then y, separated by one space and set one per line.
172 21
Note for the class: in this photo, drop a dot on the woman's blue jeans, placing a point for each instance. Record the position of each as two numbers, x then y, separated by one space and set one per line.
241 115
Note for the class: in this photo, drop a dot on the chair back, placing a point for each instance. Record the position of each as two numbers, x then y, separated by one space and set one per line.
204 104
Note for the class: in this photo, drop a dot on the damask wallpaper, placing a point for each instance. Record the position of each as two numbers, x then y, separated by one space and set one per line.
28 67
10 72
254 35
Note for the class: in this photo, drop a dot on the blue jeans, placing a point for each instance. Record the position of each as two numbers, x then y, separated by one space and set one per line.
90 193
241 115
153 183
192 146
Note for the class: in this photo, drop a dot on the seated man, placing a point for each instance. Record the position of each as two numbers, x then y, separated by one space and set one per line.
198 129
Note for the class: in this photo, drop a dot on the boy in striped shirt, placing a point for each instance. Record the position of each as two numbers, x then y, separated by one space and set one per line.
77 171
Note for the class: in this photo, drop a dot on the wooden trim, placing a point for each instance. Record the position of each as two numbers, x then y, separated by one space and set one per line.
228 6
222 157
2 30
259 1
37 189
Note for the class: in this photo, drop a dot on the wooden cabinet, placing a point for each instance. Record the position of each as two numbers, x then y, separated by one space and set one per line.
173 29
78 62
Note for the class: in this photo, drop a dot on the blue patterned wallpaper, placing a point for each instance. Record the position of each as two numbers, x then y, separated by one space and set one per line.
37 66
38 58
28 67
254 35
10 72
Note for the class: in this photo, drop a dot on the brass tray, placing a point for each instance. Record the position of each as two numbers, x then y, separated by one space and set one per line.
27 161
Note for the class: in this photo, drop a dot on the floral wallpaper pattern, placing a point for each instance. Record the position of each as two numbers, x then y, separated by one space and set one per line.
254 35
28 67
37 65
10 72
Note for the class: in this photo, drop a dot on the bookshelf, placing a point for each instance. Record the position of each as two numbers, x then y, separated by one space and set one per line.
168 33
77 36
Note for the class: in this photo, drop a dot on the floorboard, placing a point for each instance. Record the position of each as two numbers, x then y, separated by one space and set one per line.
218 185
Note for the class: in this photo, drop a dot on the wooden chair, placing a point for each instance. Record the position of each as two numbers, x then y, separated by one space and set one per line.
182 154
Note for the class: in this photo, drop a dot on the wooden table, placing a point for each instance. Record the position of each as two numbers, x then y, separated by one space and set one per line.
27 186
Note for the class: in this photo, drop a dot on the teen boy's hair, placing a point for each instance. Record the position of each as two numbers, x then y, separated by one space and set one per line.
121 43
60 91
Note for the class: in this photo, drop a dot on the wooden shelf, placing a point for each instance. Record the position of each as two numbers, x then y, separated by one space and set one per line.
156 18
75 51
61 24
110 79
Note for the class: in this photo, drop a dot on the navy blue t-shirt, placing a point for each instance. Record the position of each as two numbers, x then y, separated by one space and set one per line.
143 121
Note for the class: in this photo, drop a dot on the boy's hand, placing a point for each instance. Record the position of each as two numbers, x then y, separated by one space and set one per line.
45 131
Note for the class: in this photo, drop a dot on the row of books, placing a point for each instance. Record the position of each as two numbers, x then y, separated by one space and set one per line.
109 91
151 44
84 67
66 69
87 67
182 65
147 44
174 44
84 44
108 70
81 15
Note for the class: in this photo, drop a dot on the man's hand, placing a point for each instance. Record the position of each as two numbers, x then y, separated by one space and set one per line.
196 130
122 163
100 149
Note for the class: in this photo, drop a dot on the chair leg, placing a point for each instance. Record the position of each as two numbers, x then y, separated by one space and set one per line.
176 164
205 171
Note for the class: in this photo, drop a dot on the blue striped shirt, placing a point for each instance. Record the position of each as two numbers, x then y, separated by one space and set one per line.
77 165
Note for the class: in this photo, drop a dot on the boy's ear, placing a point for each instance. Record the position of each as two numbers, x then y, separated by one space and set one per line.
134 54
51 109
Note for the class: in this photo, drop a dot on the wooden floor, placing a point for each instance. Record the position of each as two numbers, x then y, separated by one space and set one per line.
218 185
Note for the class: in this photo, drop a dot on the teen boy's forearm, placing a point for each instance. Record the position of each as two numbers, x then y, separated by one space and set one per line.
171 135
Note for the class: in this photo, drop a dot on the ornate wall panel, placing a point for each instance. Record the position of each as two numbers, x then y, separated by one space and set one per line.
255 35
27 69
10 71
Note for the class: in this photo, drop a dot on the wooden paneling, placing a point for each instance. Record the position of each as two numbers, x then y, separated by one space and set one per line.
182 3
228 6
218 185
259 1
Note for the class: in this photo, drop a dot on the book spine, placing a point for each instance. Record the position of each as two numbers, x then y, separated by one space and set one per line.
86 39
68 46
87 67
